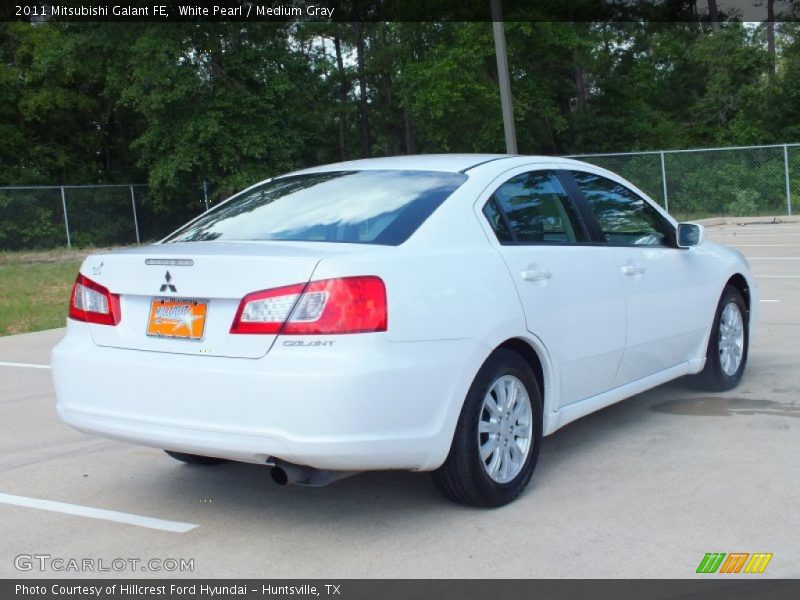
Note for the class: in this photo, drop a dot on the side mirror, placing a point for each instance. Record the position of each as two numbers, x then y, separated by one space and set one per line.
690 234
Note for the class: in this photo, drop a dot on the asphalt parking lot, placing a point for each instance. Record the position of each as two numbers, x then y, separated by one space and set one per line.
641 489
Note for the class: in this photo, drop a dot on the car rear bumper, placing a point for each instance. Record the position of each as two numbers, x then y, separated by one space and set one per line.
363 403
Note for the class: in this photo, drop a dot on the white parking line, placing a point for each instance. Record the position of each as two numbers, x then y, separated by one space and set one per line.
776 227
770 301
764 245
777 276
23 365
97 513
773 258
758 234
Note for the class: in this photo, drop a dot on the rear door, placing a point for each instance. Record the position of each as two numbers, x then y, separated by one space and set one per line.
570 290
664 285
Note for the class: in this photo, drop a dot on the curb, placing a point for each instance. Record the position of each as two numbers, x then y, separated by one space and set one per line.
765 220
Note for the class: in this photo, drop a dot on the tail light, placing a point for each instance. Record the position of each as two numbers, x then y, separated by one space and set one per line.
93 303
329 306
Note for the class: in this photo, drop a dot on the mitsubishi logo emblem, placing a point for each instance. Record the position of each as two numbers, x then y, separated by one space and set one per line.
168 285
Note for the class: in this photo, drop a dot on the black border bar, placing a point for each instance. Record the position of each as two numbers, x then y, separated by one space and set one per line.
369 10
713 588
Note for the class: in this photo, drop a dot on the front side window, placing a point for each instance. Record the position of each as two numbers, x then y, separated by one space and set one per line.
365 207
625 218
533 208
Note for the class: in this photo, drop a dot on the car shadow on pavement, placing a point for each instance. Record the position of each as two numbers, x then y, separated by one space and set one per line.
248 491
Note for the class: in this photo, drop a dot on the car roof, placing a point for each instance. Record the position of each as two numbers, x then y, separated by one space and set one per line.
449 163
452 163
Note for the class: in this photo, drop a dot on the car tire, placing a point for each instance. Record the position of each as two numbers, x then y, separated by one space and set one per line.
726 356
465 475
195 459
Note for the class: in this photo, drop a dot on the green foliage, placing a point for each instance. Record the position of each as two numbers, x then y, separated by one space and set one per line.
29 221
711 183
746 203
451 91
220 101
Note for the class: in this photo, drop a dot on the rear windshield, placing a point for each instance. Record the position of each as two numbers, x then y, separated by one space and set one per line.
363 207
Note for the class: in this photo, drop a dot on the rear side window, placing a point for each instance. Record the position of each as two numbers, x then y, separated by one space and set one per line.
363 207
625 218
533 208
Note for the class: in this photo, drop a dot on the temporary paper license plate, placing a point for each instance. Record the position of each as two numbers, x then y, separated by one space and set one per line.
177 318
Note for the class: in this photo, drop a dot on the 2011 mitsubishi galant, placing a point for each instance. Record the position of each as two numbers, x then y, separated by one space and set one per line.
430 313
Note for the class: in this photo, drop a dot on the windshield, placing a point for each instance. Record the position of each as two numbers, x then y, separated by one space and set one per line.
364 207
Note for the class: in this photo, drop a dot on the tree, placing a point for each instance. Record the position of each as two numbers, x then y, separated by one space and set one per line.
222 101
229 103
63 98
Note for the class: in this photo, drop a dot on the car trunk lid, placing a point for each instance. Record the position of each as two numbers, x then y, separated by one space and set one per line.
182 298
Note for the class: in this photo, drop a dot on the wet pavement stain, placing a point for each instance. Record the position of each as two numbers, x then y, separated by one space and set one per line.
720 406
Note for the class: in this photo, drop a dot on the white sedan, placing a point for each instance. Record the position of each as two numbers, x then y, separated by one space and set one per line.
429 313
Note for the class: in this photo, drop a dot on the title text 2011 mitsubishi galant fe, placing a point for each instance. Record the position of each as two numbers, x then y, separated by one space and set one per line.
429 313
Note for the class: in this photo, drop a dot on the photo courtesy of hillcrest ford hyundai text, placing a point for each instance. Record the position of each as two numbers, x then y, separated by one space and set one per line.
433 313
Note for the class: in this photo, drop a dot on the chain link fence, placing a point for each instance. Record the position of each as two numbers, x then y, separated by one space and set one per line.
690 184
714 182
43 217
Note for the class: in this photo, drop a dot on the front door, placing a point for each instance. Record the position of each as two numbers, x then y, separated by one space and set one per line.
664 284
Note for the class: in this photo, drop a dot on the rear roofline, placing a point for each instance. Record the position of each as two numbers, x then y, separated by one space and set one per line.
451 163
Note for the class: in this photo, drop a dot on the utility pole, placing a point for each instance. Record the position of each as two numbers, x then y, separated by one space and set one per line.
502 72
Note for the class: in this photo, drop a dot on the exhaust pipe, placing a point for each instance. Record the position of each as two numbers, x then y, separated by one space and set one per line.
285 473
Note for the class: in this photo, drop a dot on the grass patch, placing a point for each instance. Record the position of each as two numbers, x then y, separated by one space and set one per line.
35 288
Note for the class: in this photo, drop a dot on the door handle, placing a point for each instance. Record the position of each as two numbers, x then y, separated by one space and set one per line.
632 270
534 275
